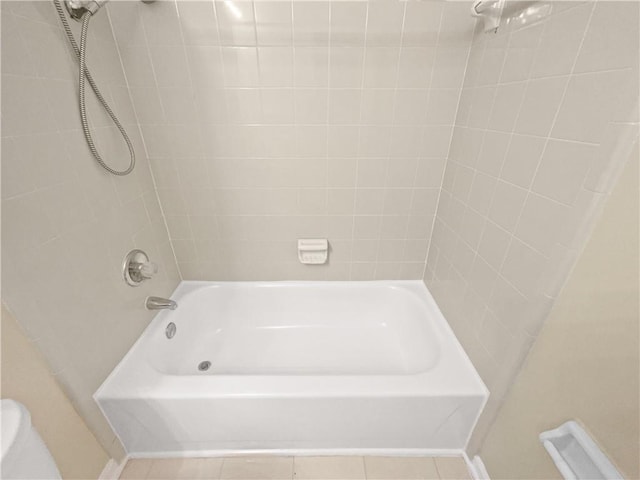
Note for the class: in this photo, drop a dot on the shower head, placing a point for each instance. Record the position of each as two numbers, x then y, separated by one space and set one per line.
77 8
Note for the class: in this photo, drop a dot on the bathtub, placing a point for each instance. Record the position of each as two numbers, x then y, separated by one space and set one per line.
295 367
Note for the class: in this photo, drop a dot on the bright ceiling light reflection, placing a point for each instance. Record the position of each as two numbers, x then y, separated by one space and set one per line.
233 9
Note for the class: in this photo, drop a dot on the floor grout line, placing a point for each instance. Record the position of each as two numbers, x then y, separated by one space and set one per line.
368 474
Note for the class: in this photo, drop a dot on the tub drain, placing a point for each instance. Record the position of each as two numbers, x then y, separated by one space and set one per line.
204 366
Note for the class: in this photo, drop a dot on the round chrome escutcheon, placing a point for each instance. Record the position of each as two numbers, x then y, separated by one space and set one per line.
170 331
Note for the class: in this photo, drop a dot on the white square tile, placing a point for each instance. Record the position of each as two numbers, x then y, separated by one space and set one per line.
243 105
170 66
604 48
278 106
311 66
384 23
422 23
199 24
482 191
311 106
522 159
506 205
375 141
563 169
436 140
342 141
346 66
377 106
369 201
372 172
276 66
394 226
310 23
381 66
493 244
493 152
365 250
481 105
542 223
442 106
482 278
340 201
593 100
206 66
412 107
274 24
449 66
408 141
416 65
348 23
524 268
506 106
560 41
541 102
344 106
429 173
398 201
240 66
401 172
366 227
236 23
161 24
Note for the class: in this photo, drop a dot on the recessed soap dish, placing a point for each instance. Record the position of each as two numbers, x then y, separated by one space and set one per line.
576 455
313 251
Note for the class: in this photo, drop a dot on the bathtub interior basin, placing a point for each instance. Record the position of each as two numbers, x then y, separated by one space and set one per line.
318 367
294 329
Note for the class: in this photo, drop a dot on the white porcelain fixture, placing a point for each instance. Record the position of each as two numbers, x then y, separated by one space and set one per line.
291 367
24 454
576 455
313 251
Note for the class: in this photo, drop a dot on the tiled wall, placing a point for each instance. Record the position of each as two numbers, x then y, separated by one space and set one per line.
591 337
547 116
269 121
66 223
272 121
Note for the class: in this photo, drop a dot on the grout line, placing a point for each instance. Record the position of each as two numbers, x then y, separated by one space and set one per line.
359 139
453 130
139 126
548 137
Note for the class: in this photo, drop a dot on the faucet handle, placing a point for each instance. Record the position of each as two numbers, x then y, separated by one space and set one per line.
137 268
147 269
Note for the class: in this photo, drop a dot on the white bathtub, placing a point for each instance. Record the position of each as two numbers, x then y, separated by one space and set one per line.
296 367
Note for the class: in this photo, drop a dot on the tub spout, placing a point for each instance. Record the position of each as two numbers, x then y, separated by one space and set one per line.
159 303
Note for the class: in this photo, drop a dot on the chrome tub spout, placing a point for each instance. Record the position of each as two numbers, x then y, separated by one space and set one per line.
159 303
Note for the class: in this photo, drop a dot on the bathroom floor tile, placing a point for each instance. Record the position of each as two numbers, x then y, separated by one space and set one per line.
257 468
397 468
298 468
184 468
325 468
136 469
452 468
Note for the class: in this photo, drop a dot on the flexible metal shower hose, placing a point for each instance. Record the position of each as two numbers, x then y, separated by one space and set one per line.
84 73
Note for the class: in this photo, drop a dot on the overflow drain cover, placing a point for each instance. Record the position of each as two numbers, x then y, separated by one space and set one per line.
204 366
170 331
